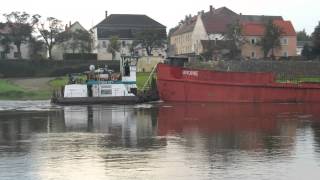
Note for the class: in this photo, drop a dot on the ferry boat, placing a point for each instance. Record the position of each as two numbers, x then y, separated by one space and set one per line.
179 84
102 86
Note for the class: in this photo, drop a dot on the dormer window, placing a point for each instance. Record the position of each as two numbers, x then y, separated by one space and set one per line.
253 41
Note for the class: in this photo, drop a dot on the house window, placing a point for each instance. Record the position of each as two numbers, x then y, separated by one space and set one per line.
285 54
284 41
2 55
104 44
106 91
253 41
123 44
253 54
16 54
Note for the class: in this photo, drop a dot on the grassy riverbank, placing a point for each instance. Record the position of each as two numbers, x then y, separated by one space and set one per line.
10 91
41 88
300 80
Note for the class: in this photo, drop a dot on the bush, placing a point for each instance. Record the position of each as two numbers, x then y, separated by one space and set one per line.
49 68
77 56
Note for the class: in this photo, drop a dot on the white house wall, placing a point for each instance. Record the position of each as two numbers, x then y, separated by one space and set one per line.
216 37
199 33
103 54
25 51
59 49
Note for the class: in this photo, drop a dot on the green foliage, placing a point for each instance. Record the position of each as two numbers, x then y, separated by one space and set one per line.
299 80
36 48
150 39
307 51
5 42
208 51
114 46
316 41
78 41
234 35
271 39
303 36
20 27
49 31
9 91
6 86
142 77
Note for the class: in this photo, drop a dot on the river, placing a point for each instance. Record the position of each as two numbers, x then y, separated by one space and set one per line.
159 141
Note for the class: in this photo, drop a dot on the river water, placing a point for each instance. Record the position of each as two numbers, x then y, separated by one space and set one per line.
159 141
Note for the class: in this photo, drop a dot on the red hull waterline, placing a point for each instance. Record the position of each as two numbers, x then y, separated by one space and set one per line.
176 84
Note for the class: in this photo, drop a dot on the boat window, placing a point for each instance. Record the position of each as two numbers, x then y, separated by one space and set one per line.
106 91
106 86
126 69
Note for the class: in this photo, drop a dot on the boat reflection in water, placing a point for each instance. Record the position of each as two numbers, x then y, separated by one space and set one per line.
240 126
166 140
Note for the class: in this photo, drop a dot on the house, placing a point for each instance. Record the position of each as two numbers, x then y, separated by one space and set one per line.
253 33
9 50
211 25
217 49
125 27
192 33
70 45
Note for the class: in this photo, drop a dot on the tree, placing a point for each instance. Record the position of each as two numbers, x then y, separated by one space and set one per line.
271 39
208 50
50 31
150 39
307 51
6 43
316 41
78 40
234 35
303 36
36 48
114 46
84 40
21 27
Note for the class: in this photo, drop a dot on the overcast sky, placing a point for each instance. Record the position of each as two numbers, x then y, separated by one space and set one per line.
302 13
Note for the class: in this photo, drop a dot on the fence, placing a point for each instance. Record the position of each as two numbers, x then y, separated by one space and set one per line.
283 69
50 68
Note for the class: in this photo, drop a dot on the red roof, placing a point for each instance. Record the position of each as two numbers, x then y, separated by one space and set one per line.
257 29
286 27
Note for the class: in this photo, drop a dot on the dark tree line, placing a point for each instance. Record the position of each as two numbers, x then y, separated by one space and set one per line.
312 50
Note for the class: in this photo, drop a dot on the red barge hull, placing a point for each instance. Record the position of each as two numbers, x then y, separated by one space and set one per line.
176 84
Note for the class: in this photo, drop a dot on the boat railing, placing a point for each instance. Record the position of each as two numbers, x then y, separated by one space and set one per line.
148 82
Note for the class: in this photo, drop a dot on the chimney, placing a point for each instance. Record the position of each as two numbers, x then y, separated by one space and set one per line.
211 9
66 27
106 14
69 23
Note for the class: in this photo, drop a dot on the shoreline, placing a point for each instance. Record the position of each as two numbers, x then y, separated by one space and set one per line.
35 89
